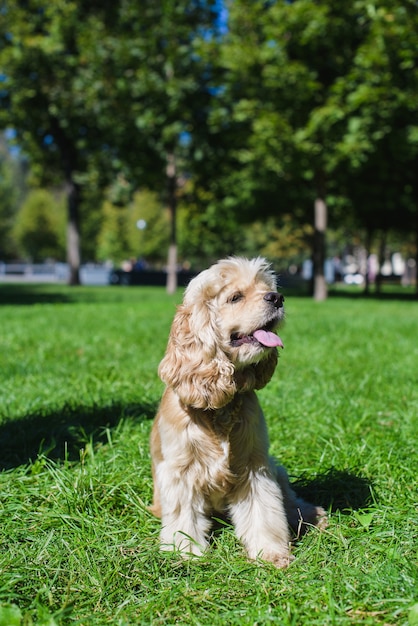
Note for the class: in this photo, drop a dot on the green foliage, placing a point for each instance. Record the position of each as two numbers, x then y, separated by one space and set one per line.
205 231
12 188
84 111
293 100
78 545
49 90
319 98
283 240
380 88
8 208
120 104
413 615
10 615
378 96
139 230
39 228
113 236
149 230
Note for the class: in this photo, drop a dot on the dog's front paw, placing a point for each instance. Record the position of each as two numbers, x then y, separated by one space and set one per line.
281 560
186 546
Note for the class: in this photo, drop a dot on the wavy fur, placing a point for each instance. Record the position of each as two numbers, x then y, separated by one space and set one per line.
209 441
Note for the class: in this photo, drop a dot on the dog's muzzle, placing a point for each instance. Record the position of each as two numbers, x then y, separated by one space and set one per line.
276 299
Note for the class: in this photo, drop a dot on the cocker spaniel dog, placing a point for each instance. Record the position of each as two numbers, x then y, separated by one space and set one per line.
209 442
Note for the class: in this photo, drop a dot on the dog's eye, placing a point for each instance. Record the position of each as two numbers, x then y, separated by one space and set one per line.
236 297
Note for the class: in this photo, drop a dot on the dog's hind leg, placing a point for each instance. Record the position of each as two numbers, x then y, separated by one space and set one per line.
300 514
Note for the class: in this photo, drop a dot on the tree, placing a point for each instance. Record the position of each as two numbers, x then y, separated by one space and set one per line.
11 180
162 88
205 232
379 146
149 230
297 85
40 225
282 240
44 59
279 89
138 230
370 110
118 106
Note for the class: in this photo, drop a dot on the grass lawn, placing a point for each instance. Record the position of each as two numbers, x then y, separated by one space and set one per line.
79 388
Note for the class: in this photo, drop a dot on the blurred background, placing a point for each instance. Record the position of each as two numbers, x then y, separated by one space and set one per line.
140 137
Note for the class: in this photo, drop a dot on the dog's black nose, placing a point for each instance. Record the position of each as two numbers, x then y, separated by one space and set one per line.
275 298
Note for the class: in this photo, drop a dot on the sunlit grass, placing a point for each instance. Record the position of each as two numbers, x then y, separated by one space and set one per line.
78 390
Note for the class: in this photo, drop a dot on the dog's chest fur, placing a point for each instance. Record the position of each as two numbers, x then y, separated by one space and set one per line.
218 461
210 452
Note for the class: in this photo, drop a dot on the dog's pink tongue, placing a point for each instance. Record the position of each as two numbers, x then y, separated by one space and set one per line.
268 339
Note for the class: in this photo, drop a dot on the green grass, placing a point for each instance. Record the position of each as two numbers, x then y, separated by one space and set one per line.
79 388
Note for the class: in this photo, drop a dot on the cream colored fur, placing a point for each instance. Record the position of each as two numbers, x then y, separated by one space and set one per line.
209 441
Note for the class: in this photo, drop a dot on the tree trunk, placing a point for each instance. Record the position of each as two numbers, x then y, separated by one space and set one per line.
382 258
172 207
320 227
69 163
416 260
73 233
368 245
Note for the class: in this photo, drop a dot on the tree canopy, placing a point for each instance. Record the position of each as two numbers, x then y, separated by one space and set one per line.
93 88
300 110
317 98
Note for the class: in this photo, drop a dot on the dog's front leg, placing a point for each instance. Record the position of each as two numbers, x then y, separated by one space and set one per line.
258 514
185 525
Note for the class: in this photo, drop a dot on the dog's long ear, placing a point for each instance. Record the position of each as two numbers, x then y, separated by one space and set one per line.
257 375
193 365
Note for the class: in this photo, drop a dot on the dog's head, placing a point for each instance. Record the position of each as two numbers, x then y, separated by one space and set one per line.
222 340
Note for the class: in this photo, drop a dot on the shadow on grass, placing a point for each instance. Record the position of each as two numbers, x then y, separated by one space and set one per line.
381 296
336 490
61 435
40 293
32 294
